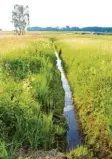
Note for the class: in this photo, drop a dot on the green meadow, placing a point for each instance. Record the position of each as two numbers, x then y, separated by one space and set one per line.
87 61
32 96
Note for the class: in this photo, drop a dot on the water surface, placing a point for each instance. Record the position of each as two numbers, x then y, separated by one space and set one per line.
73 137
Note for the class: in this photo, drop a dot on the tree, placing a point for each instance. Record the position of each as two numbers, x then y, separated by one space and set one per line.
20 18
67 28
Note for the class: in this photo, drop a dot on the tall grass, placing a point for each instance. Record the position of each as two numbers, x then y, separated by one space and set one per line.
31 99
88 63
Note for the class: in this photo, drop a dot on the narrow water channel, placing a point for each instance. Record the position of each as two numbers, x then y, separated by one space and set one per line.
73 137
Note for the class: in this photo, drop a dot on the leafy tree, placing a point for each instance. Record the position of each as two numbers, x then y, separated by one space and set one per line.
20 18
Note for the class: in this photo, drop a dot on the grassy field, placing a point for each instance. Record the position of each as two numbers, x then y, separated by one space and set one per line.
87 60
31 96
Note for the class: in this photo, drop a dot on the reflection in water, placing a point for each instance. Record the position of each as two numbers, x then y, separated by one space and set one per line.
73 137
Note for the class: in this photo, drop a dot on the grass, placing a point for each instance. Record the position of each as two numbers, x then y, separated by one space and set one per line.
8 43
87 60
31 97
80 152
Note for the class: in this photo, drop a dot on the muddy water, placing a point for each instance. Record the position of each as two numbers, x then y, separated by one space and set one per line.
73 138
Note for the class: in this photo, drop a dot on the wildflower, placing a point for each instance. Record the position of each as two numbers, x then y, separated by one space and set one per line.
6 64
21 152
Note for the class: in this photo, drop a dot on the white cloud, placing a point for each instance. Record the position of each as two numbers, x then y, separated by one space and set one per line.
60 12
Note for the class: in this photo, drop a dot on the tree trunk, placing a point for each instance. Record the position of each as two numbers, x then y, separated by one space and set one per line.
20 31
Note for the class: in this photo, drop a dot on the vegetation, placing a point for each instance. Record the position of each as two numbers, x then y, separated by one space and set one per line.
81 152
20 18
30 104
88 62
68 28
32 98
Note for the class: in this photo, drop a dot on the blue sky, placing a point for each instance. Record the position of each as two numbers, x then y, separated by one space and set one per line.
60 12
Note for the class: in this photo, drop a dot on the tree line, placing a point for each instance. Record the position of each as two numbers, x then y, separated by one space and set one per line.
67 28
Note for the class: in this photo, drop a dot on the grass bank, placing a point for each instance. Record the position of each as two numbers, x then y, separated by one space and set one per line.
87 60
31 99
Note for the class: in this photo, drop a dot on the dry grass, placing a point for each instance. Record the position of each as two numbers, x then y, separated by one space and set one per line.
13 42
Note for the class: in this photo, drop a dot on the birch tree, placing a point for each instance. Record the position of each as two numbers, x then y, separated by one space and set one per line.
20 18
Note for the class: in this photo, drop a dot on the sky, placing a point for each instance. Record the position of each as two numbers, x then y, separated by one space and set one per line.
60 13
